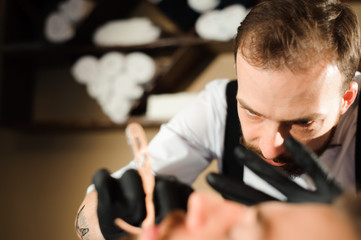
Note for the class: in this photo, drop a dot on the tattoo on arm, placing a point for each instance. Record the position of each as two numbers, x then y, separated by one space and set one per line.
81 224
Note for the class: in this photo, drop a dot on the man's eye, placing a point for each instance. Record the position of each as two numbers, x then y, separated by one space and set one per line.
250 113
304 123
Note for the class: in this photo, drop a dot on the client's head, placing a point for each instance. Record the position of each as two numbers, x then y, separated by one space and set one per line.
210 217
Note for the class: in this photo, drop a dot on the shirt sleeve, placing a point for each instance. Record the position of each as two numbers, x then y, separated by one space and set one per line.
185 146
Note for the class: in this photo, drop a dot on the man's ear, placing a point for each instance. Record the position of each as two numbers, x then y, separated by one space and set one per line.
349 97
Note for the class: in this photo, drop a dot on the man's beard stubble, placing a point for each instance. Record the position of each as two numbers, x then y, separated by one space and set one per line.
290 167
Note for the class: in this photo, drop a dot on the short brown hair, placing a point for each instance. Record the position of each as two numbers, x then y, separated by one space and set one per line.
299 33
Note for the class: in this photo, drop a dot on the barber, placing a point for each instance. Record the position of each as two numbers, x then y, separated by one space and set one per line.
296 64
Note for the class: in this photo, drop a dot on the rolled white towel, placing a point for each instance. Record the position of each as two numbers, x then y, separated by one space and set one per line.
76 10
209 26
112 63
133 31
235 15
58 28
118 108
203 5
165 106
221 25
140 66
126 86
85 69
98 88
102 88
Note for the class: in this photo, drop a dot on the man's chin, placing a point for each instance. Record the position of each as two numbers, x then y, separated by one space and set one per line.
288 167
284 162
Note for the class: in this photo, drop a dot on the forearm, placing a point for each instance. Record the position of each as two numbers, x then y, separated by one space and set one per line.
86 222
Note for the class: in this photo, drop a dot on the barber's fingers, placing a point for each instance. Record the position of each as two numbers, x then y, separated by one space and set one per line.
309 162
271 174
306 159
122 197
131 187
119 198
170 195
105 185
126 190
237 191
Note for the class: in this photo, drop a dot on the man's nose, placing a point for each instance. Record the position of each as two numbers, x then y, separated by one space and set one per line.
271 141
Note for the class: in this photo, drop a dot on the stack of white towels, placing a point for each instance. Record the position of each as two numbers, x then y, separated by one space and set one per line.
213 24
116 80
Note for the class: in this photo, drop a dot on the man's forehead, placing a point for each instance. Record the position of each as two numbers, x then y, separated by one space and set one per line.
322 64
273 92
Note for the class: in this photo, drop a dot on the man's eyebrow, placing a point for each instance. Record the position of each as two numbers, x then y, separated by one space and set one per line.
310 117
246 106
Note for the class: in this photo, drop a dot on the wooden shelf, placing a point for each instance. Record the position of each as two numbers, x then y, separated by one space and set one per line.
19 49
180 56
76 125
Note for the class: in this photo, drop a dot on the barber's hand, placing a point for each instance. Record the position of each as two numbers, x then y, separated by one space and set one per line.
124 198
169 195
119 198
326 188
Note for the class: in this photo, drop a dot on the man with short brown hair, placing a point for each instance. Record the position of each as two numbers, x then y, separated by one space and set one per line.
296 64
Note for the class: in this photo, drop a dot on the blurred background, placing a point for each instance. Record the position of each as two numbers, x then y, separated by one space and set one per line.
74 73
